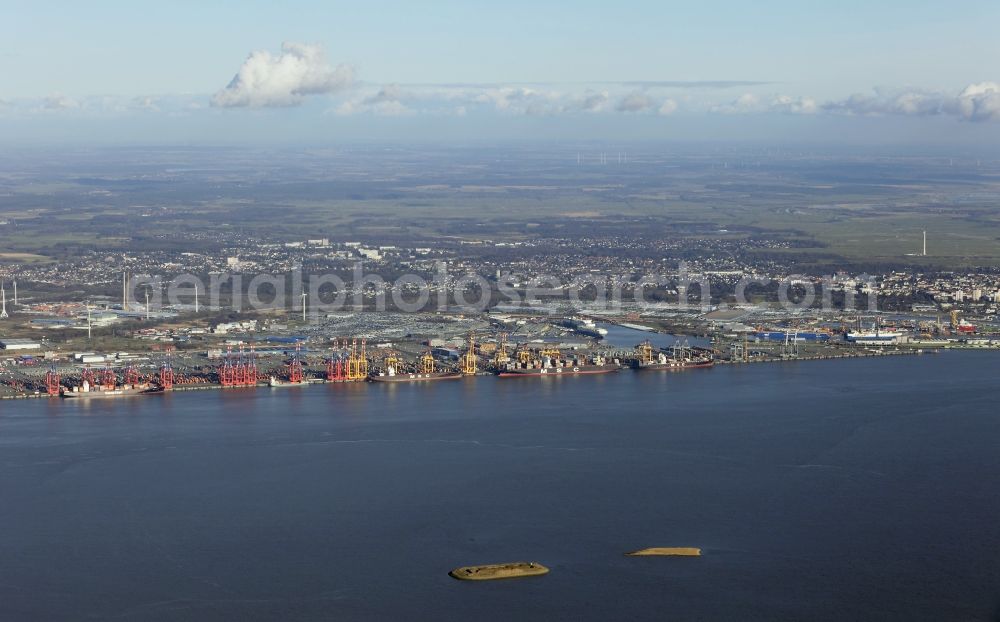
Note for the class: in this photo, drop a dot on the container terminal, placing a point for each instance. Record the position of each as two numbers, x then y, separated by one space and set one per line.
428 349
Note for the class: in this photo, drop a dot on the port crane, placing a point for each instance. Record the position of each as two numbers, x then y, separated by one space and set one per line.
427 363
469 359
552 353
501 357
107 378
357 361
131 375
335 371
227 373
645 352
166 375
392 362
52 382
295 373
87 377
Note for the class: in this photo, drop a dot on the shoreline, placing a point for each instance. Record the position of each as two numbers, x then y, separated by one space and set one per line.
322 381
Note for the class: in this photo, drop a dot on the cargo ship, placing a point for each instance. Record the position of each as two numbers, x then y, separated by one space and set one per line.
665 363
965 327
425 369
104 384
553 366
295 372
876 336
679 358
274 381
85 391
781 335
391 375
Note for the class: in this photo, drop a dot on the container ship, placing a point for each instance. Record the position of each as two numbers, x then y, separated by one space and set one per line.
104 384
393 376
875 336
86 391
274 381
295 373
550 365
424 370
120 391
965 327
777 335
663 362
679 358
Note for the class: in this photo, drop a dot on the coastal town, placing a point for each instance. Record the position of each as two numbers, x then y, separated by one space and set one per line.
56 343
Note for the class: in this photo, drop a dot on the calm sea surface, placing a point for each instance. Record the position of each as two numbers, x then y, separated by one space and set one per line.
829 490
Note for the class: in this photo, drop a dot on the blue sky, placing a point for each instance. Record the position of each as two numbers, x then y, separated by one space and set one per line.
132 71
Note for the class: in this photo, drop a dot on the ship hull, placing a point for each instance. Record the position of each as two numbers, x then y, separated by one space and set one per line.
557 371
886 337
91 395
448 375
682 366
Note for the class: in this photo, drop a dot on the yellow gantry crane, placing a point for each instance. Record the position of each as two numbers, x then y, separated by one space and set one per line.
501 358
645 350
427 363
352 361
524 356
552 353
469 360
391 362
357 362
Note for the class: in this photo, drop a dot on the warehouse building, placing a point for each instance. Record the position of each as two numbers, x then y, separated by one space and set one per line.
19 344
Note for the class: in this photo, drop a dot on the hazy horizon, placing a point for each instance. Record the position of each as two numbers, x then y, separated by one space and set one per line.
899 73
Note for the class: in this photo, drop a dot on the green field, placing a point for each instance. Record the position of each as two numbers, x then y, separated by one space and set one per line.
852 208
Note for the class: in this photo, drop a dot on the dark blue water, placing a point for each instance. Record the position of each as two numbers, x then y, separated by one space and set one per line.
831 490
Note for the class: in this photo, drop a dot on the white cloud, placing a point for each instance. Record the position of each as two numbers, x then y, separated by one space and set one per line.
976 102
668 107
388 101
794 105
286 79
59 102
636 101
590 101
747 102
464 99
980 102
914 103
519 100
535 101
266 80
146 103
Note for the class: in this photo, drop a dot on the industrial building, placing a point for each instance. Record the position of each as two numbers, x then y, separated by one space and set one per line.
19 344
